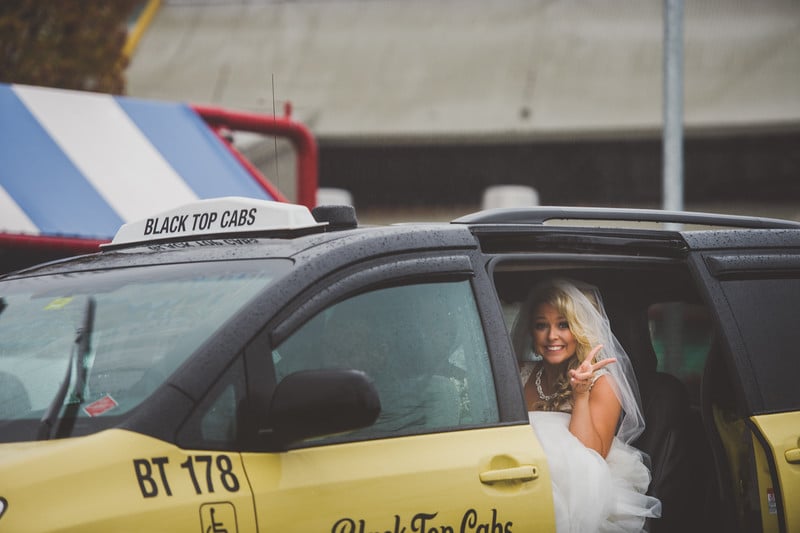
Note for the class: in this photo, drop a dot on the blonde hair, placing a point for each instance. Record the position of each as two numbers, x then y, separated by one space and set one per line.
556 296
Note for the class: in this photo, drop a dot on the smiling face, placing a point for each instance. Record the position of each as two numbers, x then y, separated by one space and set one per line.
552 338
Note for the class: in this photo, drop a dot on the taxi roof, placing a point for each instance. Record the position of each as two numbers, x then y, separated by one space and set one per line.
243 228
229 216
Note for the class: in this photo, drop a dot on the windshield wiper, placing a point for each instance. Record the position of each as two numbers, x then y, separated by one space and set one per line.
77 359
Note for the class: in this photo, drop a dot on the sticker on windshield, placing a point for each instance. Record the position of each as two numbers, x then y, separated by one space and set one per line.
58 303
98 407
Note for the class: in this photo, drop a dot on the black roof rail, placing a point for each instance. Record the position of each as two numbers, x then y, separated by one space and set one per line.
542 214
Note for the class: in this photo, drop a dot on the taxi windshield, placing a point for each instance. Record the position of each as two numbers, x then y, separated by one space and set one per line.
88 347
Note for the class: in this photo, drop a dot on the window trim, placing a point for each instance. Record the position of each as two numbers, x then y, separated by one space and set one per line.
348 283
376 273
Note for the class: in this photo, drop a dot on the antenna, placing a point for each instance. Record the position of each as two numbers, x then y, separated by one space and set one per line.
275 137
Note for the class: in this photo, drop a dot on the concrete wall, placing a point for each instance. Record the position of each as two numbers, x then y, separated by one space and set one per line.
430 71
428 102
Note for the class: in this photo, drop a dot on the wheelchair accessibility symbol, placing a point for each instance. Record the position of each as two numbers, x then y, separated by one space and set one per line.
219 517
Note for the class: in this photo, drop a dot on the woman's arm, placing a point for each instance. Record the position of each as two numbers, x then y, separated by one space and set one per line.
595 415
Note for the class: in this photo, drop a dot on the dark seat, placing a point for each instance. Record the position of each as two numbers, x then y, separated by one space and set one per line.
674 440
673 437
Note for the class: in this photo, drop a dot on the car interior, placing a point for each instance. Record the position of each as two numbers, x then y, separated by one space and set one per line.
658 317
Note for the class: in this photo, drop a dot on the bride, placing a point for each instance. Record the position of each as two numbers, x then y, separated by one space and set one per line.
583 403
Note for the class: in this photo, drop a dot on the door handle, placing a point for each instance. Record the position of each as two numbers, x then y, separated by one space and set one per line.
518 473
792 456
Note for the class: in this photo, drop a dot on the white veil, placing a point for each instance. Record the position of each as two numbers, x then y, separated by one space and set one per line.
595 321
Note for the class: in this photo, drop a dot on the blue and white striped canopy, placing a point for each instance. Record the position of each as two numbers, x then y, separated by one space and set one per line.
81 164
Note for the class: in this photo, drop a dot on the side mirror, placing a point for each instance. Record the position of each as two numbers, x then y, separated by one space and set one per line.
313 403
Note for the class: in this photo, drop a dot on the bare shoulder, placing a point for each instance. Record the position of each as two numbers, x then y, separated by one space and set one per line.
603 392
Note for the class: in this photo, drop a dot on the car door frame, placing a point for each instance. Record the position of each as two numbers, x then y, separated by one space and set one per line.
374 273
759 255
386 271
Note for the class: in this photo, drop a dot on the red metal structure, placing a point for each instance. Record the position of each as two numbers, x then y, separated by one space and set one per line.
305 146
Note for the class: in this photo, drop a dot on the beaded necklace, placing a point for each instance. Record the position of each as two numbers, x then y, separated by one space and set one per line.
538 383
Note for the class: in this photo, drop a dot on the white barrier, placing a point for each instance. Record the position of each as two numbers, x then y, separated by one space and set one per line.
333 196
509 196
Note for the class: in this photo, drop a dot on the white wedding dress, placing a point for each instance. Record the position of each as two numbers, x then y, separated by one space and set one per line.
592 494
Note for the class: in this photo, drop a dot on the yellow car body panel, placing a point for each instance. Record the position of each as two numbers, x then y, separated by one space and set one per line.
415 483
117 480
782 432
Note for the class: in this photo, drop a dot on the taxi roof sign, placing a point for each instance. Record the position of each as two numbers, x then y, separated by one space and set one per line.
214 217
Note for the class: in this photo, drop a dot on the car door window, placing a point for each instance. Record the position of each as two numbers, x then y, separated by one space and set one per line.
214 425
422 345
766 315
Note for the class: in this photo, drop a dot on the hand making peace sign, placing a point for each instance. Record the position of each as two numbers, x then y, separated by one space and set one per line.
581 379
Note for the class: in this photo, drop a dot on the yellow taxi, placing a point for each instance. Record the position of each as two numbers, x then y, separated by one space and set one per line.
236 365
